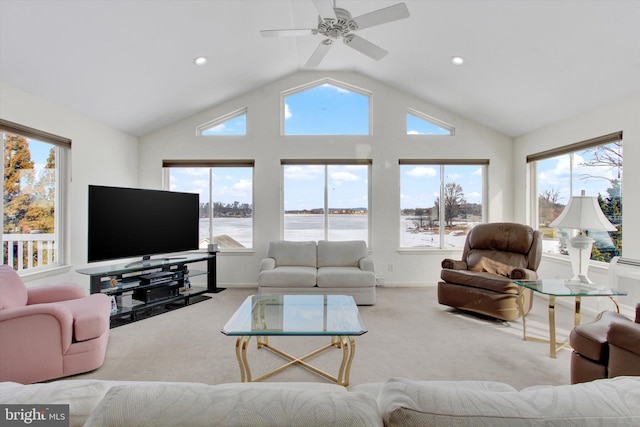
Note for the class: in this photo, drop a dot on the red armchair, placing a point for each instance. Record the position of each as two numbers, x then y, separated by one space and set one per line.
49 331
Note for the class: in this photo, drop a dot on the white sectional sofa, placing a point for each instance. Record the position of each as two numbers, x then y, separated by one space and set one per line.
396 403
326 267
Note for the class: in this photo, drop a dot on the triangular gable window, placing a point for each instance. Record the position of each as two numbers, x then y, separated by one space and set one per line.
326 108
234 123
422 124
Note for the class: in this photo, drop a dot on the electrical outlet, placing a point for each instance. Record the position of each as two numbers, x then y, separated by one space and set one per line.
379 281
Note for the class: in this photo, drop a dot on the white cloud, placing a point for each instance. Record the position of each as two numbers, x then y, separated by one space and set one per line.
304 172
195 172
420 171
343 176
243 185
287 111
216 129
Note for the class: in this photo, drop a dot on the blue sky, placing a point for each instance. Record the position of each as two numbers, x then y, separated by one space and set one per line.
331 110
556 174
322 110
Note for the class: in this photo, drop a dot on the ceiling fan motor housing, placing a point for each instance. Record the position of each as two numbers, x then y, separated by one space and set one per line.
337 28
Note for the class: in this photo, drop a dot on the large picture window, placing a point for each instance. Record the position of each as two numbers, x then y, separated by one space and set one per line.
33 190
326 108
325 201
440 202
226 199
594 166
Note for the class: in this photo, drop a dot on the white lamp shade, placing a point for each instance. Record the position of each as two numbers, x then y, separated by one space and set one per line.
583 213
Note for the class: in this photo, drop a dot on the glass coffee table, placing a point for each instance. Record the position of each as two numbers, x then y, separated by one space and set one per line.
262 316
561 288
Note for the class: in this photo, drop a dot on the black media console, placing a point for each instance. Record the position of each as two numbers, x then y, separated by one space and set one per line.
149 287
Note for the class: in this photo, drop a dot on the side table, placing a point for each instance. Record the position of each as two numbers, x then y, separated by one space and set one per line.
561 288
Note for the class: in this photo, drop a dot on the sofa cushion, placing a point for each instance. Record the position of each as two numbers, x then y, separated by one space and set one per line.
82 396
605 402
293 253
350 277
241 404
341 253
295 277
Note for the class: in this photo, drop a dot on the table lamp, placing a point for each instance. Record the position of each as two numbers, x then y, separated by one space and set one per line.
582 213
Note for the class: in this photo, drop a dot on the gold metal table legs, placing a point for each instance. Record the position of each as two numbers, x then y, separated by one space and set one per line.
346 343
554 346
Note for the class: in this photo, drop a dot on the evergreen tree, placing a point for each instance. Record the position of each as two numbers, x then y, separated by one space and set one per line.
612 208
18 175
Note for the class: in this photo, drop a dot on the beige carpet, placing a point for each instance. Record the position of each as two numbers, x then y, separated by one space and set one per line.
410 335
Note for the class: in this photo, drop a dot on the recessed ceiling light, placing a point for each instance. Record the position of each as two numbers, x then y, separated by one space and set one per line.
200 60
457 60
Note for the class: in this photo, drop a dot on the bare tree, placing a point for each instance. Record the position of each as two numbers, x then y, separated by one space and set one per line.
548 206
453 200
608 155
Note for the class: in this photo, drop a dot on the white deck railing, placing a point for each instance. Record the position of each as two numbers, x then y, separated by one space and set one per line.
24 251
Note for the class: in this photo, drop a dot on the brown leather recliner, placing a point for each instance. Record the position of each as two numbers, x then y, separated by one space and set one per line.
494 255
605 348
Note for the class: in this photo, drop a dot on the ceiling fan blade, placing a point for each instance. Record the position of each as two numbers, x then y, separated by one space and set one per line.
382 16
287 33
325 9
363 46
319 53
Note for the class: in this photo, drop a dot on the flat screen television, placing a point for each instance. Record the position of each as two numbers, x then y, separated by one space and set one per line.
129 222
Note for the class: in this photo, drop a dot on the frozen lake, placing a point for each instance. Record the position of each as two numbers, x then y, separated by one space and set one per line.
301 227
310 227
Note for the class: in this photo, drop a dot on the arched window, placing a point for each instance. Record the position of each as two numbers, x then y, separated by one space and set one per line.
421 124
326 108
234 123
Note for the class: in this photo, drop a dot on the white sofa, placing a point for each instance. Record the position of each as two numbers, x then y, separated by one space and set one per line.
397 402
326 267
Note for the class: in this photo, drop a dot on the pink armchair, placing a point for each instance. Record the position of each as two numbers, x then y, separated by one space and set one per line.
49 331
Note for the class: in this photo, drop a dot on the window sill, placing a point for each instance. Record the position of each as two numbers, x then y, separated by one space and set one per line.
36 274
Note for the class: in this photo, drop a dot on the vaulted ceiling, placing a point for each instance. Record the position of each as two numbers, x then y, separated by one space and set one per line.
129 64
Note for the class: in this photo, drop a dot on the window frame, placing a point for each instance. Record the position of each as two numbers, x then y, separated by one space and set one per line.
212 164
441 164
223 119
432 120
532 163
326 164
62 146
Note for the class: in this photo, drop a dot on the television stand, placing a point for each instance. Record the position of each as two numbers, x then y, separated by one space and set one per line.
145 288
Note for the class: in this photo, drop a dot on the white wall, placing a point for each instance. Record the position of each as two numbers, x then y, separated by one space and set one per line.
387 144
99 155
622 115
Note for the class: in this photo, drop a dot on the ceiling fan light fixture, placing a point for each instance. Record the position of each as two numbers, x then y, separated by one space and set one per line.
457 60
336 23
200 60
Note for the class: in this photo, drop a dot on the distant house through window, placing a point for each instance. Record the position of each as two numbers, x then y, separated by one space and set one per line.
326 108
421 124
226 199
234 123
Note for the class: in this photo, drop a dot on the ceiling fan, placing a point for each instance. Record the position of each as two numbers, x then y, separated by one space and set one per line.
335 23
